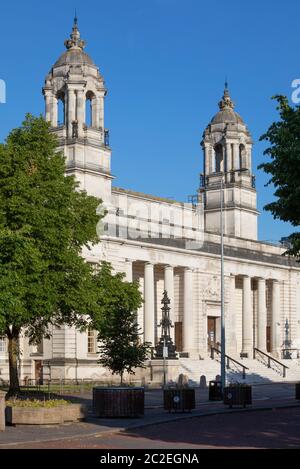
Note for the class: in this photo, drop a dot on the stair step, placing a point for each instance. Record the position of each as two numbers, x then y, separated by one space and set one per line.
257 373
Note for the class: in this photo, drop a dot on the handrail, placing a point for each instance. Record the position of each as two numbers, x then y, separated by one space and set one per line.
228 360
271 359
290 349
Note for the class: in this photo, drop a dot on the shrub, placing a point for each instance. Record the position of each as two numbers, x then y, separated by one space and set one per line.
36 403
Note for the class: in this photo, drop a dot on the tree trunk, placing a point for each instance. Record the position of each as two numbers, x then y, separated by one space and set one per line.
121 374
13 350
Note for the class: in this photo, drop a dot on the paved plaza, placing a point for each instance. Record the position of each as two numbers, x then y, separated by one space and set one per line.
258 429
273 421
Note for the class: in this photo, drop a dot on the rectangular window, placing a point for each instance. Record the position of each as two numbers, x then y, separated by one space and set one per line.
40 348
3 345
92 341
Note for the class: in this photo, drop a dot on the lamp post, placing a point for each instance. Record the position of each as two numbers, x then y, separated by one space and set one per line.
223 350
165 347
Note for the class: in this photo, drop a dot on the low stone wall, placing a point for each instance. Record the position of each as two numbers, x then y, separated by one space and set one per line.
45 416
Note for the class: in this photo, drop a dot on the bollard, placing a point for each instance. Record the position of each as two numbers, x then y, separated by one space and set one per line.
2 411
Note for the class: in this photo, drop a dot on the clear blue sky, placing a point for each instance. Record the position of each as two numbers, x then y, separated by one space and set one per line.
164 62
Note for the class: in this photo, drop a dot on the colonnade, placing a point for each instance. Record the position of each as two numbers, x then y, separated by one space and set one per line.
235 155
75 108
254 327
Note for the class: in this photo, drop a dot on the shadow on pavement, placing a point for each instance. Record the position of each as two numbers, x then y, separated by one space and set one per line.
263 429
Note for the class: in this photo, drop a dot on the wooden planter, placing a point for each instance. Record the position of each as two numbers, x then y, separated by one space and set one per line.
179 400
238 395
118 402
44 415
297 389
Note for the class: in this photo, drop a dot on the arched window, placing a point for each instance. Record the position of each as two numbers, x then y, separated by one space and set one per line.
89 108
61 112
219 166
242 157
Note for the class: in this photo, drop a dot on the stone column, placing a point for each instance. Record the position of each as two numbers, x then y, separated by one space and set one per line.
96 112
211 159
228 157
48 102
71 110
2 411
149 318
206 159
247 326
54 111
101 112
261 315
188 326
275 321
223 159
169 287
128 270
236 156
249 157
80 111
230 325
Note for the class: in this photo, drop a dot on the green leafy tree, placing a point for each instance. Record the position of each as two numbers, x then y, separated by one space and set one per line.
121 348
45 222
284 167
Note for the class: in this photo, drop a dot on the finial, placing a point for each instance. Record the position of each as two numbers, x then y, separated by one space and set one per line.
226 102
75 41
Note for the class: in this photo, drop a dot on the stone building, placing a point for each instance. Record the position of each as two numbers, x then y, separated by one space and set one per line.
167 244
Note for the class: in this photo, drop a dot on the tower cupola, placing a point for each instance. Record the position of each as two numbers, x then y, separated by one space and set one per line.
227 148
74 94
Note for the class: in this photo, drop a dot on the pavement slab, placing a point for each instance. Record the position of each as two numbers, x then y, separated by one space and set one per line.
265 397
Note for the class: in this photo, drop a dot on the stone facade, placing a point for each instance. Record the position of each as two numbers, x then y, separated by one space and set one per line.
165 244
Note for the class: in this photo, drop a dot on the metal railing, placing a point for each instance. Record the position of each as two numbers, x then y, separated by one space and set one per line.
65 387
229 360
270 361
61 386
287 353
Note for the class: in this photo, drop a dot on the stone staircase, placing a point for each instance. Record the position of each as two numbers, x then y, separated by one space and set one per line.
258 372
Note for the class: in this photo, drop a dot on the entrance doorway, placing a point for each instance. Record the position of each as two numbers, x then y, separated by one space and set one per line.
178 336
38 371
211 332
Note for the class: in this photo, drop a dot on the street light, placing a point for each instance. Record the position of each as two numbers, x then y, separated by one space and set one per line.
223 350
223 336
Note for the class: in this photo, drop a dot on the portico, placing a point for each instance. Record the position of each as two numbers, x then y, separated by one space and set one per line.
253 305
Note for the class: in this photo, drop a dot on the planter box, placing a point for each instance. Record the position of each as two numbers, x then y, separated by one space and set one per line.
118 402
179 400
238 395
45 416
297 389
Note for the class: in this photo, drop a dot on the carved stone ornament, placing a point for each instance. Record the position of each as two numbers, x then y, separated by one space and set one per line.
213 289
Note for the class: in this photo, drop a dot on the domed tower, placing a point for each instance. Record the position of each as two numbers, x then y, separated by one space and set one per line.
74 94
227 147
